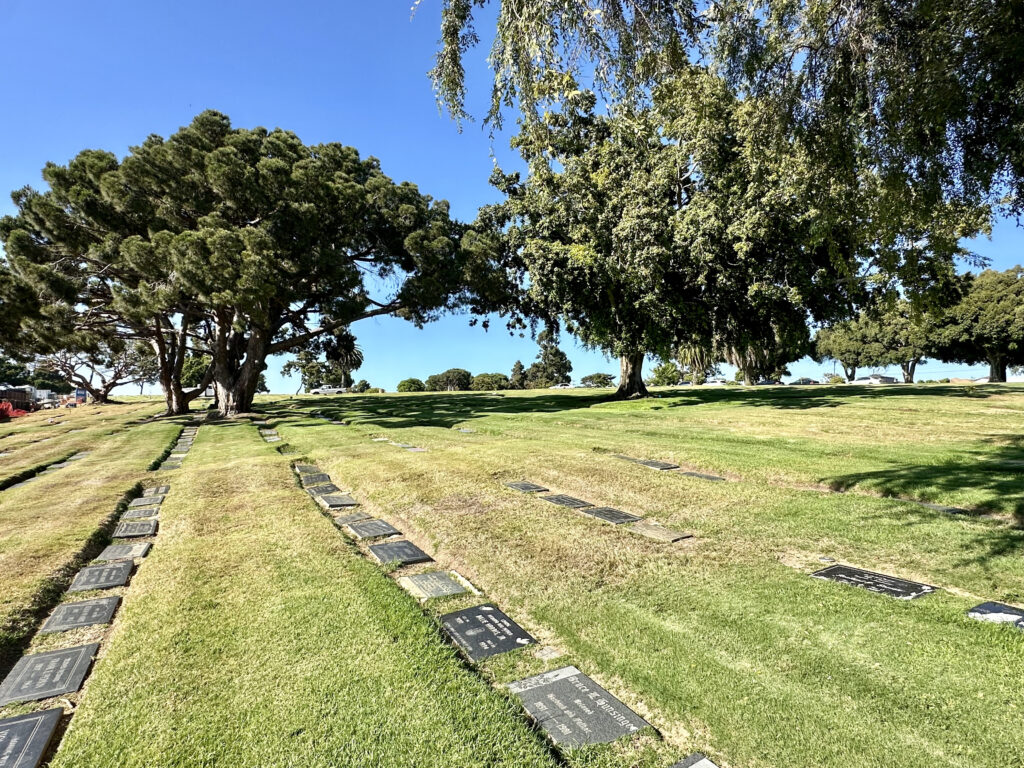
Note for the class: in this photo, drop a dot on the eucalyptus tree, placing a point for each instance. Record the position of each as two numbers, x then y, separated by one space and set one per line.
237 243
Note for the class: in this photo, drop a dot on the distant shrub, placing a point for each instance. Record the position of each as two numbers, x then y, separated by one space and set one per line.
411 385
375 390
943 381
489 381
600 380
732 383
832 378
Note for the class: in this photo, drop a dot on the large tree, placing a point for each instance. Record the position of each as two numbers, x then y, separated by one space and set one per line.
987 324
236 243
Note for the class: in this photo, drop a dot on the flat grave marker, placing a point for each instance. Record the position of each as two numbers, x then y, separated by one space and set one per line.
25 738
657 532
574 710
484 630
157 490
401 552
413 449
141 513
336 501
402 445
892 586
659 465
998 613
146 501
567 501
43 675
696 760
355 517
314 478
373 529
526 487
322 490
611 515
114 574
307 469
944 508
381 440
82 614
135 529
125 551
431 584
703 476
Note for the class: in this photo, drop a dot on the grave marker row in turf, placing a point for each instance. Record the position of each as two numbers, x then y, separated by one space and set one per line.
666 466
180 449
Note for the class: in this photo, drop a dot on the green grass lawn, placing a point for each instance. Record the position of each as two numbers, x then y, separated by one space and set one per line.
45 524
724 639
255 634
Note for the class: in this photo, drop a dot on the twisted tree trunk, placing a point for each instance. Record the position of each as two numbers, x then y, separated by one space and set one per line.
631 382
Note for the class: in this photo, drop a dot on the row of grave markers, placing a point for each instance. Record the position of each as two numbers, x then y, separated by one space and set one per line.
632 523
25 739
180 449
902 589
49 469
404 446
571 708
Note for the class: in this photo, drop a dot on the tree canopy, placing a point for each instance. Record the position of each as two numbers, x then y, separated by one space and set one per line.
237 243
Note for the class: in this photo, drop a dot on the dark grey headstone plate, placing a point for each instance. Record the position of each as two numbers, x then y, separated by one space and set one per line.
696 760
43 675
355 517
876 582
125 551
24 739
158 490
433 584
168 465
484 630
945 509
113 574
336 501
703 476
567 501
661 465
574 710
998 613
82 614
318 478
141 513
401 552
526 487
306 469
610 515
323 490
135 529
373 529
146 501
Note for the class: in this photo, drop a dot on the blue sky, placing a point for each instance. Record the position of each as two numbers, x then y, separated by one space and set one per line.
105 75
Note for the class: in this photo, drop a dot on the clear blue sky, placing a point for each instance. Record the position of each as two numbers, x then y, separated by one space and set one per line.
106 74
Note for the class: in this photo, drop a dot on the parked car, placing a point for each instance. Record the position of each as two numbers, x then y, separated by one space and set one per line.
875 378
562 386
714 383
767 383
328 390
803 382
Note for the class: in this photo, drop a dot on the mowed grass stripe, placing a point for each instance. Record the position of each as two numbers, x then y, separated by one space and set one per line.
726 639
257 636
46 524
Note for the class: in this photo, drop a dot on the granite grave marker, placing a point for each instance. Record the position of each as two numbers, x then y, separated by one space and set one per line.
336 501
140 513
901 589
574 710
657 532
610 515
659 465
355 517
125 551
998 613
401 552
158 490
484 630
321 490
82 614
43 675
696 760
526 487
306 469
135 529
146 501
318 478
373 529
24 739
114 574
567 501
431 584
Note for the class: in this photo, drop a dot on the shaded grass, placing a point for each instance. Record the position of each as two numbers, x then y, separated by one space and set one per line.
254 635
725 640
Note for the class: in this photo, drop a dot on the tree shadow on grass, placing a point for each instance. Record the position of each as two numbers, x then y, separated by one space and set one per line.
824 396
996 474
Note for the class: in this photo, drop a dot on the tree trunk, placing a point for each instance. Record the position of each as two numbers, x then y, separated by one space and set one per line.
850 371
631 382
997 369
237 365
908 369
